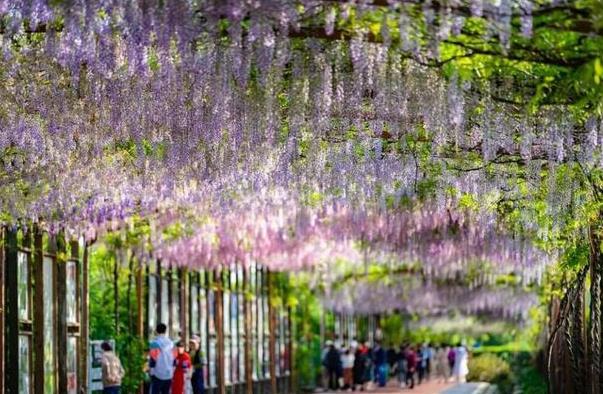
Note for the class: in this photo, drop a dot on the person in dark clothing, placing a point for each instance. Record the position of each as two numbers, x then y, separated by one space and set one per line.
380 360
411 367
198 361
360 365
392 357
333 365
451 358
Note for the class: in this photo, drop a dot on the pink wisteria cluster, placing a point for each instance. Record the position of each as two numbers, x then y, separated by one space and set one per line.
266 145
437 242
412 295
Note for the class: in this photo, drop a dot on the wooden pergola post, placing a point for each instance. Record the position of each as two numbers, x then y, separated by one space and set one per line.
139 278
221 375
38 311
184 305
291 350
81 350
2 262
272 334
11 313
248 332
61 312
85 330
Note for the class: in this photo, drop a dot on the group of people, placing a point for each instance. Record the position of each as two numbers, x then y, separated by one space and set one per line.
359 366
173 369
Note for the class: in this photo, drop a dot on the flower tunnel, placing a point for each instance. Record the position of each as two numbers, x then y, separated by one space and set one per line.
249 164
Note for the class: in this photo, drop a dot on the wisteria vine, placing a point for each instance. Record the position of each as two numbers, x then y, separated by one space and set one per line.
271 143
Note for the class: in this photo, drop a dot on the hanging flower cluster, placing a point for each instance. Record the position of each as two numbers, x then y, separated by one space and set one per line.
411 295
439 243
284 149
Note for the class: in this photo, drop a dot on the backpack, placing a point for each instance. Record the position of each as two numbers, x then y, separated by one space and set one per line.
115 371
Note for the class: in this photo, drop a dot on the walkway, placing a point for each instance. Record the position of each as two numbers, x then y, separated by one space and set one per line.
434 388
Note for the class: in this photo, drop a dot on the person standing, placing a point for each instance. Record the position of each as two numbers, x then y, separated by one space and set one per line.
360 365
441 364
420 364
402 365
411 367
380 358
347 362
182 369
332 364
425 367
112 370
450 359
161 361
323 360
461 364
369 372
198 361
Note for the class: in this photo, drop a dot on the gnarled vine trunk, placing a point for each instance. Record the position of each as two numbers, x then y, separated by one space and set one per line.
596 268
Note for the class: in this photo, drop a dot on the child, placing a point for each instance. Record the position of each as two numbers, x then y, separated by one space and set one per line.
182 369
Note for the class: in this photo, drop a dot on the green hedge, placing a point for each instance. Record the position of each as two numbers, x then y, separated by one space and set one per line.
493 369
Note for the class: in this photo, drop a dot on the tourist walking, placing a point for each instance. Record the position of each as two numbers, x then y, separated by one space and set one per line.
112 370
332 363
428 354
360 365
380 359
451 359
461 364
442 370
198 361
402 365
182 369
420 364
411 367
324 373
347 363
161 361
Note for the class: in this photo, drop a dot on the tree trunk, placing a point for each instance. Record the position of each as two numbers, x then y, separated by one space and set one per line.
575 340
595 310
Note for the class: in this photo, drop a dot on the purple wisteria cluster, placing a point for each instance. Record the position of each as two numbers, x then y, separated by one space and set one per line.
265 143
412 295
439 243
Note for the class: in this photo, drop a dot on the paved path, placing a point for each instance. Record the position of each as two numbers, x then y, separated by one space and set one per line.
432 388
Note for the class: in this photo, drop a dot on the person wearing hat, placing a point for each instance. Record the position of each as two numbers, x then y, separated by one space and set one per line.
198 360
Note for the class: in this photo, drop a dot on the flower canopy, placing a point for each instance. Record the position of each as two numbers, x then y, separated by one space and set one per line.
271 131
412 295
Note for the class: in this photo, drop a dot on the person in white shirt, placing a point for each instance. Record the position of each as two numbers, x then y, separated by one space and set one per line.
347 363
461 364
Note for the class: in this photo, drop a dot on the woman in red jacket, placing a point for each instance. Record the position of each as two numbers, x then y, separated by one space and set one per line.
182 369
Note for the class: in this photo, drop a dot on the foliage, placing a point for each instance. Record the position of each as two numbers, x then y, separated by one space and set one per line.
130 347
491 368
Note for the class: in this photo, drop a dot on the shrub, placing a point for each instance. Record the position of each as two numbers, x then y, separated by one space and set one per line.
493 369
